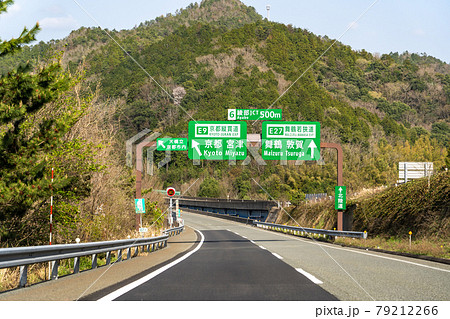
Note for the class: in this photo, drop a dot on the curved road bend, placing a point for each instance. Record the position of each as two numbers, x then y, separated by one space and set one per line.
227 267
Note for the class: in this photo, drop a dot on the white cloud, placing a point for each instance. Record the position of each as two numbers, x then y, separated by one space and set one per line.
58 23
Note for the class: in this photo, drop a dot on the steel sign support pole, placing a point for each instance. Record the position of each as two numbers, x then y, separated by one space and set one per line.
170 211
340 181
148 141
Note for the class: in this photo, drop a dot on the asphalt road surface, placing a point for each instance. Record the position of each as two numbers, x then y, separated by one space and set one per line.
240 262
349 274
228 267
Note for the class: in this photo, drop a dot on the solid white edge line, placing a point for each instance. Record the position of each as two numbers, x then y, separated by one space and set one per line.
134 284
262 247
276 255
309 276
356 252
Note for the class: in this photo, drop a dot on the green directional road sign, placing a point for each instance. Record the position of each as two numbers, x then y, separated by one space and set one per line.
340 197
139 204
171 144
217 140
291 141
252 114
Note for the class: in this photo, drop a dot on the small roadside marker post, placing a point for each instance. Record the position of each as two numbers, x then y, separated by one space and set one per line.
51 225
171 192
410 233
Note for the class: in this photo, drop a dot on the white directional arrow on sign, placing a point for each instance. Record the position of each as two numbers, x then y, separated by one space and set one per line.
195 145
340 189
312 146
161 143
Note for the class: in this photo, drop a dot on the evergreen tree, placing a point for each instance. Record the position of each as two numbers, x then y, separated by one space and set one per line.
34 117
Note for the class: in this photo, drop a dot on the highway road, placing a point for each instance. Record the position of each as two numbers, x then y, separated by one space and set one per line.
225 260
239 262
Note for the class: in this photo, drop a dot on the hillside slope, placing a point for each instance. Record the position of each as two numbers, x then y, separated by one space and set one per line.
390 212
382 109
415 206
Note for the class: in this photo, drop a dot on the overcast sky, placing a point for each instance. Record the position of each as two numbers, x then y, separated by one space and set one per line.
420 26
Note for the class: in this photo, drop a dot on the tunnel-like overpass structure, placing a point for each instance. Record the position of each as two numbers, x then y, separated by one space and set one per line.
252 209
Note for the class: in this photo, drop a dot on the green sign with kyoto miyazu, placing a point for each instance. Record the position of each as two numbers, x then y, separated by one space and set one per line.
217 140
291 141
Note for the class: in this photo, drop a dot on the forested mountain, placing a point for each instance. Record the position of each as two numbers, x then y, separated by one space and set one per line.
382 109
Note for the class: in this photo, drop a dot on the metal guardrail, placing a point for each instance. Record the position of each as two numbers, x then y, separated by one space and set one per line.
174 231
24 256
238 219
303 230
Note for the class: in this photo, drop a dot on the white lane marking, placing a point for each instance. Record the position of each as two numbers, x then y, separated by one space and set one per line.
146 278
276 255
309 276
252 242
262 247
356 252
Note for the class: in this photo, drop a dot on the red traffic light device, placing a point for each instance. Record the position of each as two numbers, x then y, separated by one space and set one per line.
170 191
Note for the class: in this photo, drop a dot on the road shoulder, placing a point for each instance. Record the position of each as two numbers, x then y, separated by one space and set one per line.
87 285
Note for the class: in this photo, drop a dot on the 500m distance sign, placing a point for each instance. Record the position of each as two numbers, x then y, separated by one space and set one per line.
217 140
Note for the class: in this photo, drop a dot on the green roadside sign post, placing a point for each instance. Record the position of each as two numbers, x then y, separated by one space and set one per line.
340 197
291 141
171 144
139 204
254 114
220 140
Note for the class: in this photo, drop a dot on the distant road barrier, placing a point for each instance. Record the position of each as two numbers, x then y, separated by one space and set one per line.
24 256
238 219
303 230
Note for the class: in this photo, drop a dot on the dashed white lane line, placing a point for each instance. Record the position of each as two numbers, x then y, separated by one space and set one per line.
309 276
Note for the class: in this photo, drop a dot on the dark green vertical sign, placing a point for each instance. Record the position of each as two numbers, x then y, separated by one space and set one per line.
340 197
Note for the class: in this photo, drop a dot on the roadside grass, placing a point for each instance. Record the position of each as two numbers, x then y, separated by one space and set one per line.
435 247
438 248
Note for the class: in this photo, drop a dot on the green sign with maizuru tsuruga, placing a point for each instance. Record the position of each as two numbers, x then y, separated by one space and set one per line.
291 141
220 140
